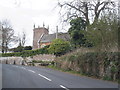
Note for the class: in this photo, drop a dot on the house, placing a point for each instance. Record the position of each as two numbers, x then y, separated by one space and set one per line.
41 37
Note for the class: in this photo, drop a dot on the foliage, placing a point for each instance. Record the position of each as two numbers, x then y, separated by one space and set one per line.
27 53
77 39
45 49
27 48
103 65
7 35
77 24
21 48
59 47
18 49
76 30
104 33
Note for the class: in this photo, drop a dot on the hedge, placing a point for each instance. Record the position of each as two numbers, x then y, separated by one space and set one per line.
27 53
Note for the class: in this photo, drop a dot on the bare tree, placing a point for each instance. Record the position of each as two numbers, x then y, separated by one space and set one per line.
85 9
22 39
7 35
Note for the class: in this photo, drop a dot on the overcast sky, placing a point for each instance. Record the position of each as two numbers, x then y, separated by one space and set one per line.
23 14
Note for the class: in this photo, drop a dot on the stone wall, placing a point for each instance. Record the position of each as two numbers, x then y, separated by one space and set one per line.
11 60
44 57
25 61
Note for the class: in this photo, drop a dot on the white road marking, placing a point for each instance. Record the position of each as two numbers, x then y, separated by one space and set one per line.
64 87
31 71
45 77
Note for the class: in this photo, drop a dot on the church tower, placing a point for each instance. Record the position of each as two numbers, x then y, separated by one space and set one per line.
37 33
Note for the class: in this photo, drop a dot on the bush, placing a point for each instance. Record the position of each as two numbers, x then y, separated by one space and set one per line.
59 47
18 49
27 53
27 48
104 33
103 65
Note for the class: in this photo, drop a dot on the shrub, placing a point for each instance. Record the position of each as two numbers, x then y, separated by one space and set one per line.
27 48
18 49
103 65
59 47
27 53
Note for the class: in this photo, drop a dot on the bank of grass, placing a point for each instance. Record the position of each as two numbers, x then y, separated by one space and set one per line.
80 74
87 62
63 70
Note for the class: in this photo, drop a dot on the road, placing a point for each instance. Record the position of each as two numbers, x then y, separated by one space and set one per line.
38 77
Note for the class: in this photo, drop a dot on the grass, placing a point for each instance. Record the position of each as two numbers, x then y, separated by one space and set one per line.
40 61
55 68
80 74
69 71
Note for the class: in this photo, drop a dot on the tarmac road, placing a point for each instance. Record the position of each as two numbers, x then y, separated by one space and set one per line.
14 76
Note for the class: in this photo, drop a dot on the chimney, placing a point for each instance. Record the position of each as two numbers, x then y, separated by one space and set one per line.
56 32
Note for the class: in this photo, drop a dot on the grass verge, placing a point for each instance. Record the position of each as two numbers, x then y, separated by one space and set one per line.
78 73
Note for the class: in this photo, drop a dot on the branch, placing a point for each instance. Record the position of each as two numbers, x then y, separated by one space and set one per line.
75 8
105 3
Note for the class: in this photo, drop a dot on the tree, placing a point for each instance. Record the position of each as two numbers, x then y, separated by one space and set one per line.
27 48
77 39
7 35
21 42
22 39
59 47
77 24
85 9
76 30
18 49
104 33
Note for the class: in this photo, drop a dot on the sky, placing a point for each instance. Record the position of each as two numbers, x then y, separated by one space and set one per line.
23 14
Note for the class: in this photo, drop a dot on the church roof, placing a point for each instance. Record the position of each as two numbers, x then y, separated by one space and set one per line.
50 37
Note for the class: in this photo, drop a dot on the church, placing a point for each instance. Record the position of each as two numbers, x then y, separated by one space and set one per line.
41 37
